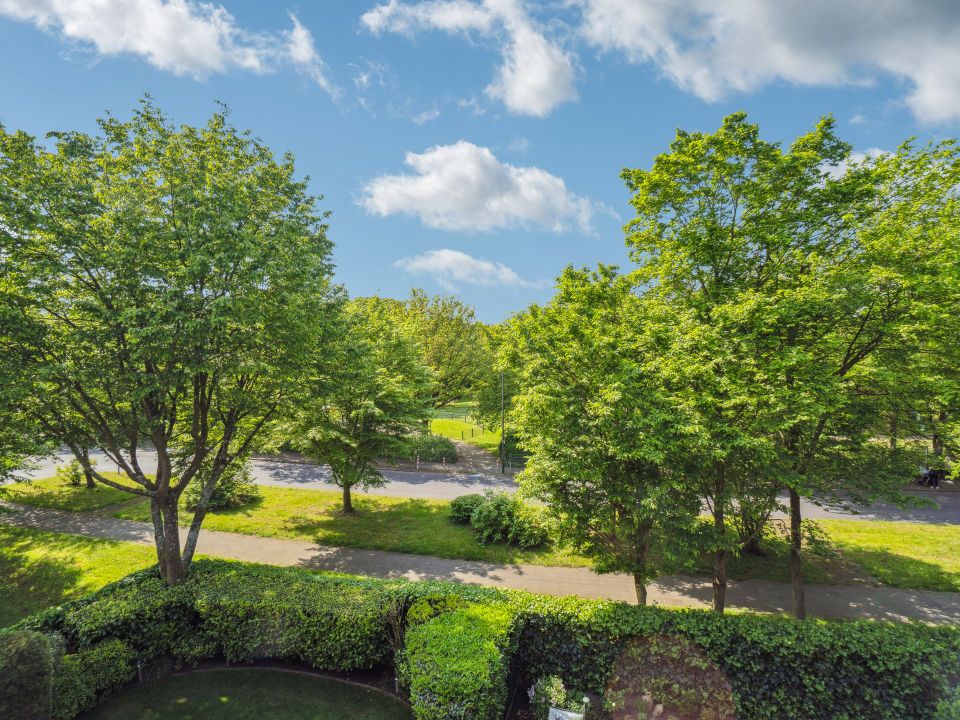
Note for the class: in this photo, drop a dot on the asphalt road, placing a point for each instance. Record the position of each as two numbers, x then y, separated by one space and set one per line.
942 507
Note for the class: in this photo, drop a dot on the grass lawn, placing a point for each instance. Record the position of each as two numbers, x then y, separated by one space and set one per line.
421 527
246 694
53 492
467 432
41 569
900 554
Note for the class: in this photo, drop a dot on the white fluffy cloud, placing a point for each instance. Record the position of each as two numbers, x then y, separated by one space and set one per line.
535 76
184 37
712 47
465 187
450 267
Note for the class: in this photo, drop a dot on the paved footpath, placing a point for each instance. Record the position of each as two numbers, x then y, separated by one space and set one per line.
840 601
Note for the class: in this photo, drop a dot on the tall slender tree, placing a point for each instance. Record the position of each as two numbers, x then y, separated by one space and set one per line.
606 438
363 398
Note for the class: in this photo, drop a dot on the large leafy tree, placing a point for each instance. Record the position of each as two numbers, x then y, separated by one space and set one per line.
813 281
606 437
364 397
168 285
451 343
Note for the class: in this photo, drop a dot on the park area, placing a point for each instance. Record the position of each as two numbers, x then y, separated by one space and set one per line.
718 483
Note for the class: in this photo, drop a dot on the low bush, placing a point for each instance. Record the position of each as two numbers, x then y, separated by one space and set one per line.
461 508
428 447
550 692
71 473
26 671
234 489
456 665
499 517
83 679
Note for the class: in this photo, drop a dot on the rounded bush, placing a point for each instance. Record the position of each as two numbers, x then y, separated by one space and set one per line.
235 488
499 517
461 508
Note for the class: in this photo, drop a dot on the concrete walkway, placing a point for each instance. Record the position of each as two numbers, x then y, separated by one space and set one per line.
839 601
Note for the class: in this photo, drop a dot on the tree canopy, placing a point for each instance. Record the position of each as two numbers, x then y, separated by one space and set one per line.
168 285
364 396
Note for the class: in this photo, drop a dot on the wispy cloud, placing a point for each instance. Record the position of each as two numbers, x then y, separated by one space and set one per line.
452 267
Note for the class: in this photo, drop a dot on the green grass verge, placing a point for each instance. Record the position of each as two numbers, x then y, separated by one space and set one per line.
54 493
409 525
40 569
899 554
244 694
467 432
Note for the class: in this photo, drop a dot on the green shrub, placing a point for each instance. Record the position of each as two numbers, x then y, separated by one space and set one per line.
528 529
429 607
234 489
456 664
26 675
461 508
500 517
71 473
949 707
492 519
667 675
84 679
428 447
551 692
778 667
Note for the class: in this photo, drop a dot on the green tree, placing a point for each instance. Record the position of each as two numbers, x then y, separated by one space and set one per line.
451 343
365 397
812 281
168 285
605 436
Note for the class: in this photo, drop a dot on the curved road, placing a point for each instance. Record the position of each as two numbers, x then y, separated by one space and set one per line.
941 507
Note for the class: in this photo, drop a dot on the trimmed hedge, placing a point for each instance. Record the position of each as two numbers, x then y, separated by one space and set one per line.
428 447
456 664
85 678
461 641
26 672
779 668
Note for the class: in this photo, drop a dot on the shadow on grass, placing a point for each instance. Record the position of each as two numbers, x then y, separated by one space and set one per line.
33 584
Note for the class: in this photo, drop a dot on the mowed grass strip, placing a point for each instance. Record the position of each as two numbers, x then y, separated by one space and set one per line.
53 492
408 525
41 569
466 432
900 554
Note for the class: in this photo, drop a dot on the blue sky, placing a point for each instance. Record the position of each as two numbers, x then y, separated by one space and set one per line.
475 146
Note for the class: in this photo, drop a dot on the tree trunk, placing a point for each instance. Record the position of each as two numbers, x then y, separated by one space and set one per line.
719 558
640 585
347 502
938 422
168 543
87 472
796 568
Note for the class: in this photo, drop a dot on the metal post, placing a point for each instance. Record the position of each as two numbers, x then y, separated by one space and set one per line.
503 444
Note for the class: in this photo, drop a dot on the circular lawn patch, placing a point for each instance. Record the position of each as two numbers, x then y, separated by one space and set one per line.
248 694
